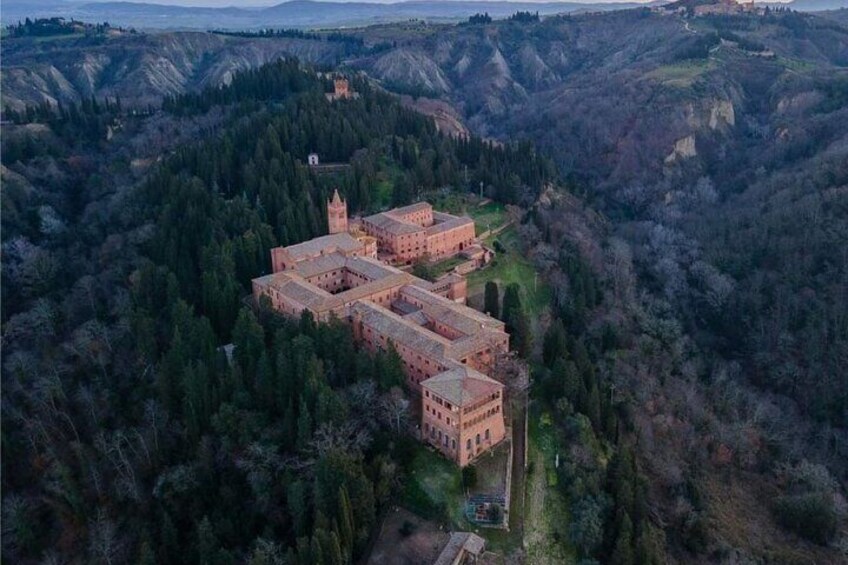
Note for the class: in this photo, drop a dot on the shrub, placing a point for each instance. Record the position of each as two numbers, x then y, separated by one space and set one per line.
469 476
811 516
407 528
495 513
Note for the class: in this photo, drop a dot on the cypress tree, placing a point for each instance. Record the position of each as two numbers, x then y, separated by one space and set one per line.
304 427
492 299
346 524
622 553
555 345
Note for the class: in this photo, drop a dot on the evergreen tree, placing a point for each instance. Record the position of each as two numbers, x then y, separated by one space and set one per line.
249 342
297 503
304 427
555 345
491 302
622 553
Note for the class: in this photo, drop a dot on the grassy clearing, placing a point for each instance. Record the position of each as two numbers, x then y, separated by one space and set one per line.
491 470
446 265
547 516
488 216
513 267
385 188
433 490
681 75
796 65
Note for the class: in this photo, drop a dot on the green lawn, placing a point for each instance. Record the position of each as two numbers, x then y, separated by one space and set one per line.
385 187
433 490
488 216
441 267
512 267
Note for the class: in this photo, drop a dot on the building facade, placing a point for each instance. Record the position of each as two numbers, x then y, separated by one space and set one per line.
463 413
405 235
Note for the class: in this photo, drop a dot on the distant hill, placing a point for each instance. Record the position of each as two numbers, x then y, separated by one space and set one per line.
293 14
817 5
139 68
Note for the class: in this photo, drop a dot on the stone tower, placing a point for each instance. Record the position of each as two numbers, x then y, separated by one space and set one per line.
337 214
341 88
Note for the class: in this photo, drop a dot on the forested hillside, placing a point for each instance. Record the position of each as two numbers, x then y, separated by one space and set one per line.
716 149
684 131
689 373
129 433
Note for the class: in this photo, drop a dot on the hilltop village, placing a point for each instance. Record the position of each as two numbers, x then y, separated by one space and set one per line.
447 349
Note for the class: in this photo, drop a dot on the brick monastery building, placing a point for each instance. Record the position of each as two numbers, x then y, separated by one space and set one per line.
446 347
406 234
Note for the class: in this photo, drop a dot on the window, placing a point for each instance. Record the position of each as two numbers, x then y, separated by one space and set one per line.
487 434
478 439
468 444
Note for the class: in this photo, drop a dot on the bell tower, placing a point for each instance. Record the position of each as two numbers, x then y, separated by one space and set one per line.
337 214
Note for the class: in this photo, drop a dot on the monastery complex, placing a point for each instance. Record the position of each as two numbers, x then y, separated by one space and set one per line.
447 348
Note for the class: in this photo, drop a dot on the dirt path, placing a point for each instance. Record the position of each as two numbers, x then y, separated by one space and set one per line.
519 475
540 511
496 231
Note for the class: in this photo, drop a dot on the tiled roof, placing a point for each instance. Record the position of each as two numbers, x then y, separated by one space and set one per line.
445 222
387 222
370 268
320 265
459 542
462 385
401 331
458 316
363 291
299 290
324 244
410 209
417 318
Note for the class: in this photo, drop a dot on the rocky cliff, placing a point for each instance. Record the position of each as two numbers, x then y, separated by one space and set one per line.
140 69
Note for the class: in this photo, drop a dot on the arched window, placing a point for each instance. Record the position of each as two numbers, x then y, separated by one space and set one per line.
487 433
478 439
468 444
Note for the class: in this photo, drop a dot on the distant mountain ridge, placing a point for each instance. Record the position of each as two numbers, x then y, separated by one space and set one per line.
293 14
